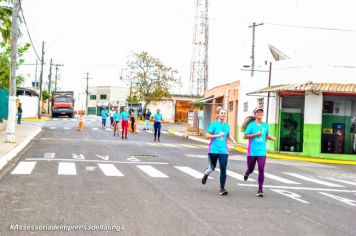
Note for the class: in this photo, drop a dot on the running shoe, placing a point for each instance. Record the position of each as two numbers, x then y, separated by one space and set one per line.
205 177
259 193
246 177
223 192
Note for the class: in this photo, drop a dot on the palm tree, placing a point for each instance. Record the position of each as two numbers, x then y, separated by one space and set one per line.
5 20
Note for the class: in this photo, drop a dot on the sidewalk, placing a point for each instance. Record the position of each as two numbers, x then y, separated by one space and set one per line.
242 149
24 135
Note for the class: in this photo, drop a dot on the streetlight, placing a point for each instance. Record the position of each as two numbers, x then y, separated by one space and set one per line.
269 83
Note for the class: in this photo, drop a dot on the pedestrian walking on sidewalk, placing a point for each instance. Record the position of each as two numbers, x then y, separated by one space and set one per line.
218 133
117 118
124 122
104 115
257 134
19 113
158 118
147 116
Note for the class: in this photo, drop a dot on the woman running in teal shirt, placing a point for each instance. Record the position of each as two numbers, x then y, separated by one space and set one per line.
124 122
218 133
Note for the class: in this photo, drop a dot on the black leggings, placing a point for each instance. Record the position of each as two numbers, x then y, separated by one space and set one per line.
133 124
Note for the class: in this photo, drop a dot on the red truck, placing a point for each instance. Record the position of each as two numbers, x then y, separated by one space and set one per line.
62 103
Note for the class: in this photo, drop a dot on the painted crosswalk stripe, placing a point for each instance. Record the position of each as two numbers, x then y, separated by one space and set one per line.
341 181
164 132
154 144
66 128
55 118
235 175
280 179
65 119
169 145
67 168
150 131
191 172
53 127
151 171
313 180
108 129
95 129
110 170
24 168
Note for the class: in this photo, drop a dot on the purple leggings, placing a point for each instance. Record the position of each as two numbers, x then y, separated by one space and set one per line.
261 161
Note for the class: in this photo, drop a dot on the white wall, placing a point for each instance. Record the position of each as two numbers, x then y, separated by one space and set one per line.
167 109
29 106
313 108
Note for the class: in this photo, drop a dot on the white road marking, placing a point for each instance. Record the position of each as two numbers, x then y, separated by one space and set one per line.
105 158
341 199
132 159
95 129
49 155
204 156
191 172
290 195
66 168
154 144
280 179
53 127
341 181
314 180
55 118
79 157
24 168
235 175
65 119
97 161
169 145
150 131
164 132
108 129
110 170
300 188
151 171
90 168
66 128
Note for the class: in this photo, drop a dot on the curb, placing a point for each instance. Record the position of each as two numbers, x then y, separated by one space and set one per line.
273 155
36 119
13 153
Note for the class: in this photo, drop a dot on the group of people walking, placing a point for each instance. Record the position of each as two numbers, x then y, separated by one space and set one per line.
122 118
257 134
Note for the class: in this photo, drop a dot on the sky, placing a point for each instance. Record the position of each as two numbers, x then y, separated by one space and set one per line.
98 36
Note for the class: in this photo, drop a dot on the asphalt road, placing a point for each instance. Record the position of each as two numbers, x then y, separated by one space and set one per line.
69 179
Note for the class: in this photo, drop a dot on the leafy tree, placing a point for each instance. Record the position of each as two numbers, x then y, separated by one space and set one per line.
150 78
45 95
134 99
5 62
5 20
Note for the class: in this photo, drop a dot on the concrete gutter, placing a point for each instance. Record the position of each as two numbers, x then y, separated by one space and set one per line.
271 155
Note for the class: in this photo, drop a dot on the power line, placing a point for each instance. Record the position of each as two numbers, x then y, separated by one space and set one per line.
28 33
311 27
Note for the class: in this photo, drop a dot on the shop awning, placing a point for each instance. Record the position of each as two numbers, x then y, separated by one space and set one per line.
332 88
206 99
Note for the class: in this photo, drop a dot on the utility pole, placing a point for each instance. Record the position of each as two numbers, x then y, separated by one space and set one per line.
253 26
36 76
131 94
11 118
87 93
41 79
268 94
49 83
55 83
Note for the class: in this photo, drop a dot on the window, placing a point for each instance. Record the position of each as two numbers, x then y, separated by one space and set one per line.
260 102
231 106
102 96
63 99
92 97
245 106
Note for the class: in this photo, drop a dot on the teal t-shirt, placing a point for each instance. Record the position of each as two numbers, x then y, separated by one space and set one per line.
158 117
219 145
124 115
257 146
117 117
104 114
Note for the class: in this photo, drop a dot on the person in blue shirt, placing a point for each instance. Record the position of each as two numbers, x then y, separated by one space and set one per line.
257 134
124 122
117 118
158 118
218 133
104 115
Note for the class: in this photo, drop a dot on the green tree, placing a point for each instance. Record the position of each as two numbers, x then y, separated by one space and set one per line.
5 56
150 78
45 96
5 20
